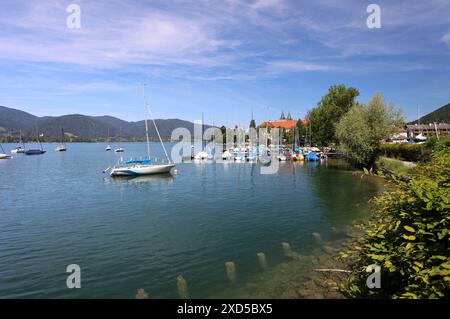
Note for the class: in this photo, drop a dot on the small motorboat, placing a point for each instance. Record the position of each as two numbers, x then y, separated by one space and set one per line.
298 157
282 158
61 148
226 156
119 150
238 156
265 159
312 156
251 157
201 156
108 148
18 150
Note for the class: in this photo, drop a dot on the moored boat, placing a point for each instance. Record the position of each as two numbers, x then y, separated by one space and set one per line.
226 155
62 147
201 156
312 156
145 166
3 155
138 168
34 152
18 150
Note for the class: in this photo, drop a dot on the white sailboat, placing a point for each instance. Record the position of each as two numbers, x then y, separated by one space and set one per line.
3 155
62 147
201 156
108 148
226 155
19 149
119 149
145 166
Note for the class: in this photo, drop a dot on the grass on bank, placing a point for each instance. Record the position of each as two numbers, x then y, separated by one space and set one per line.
397 166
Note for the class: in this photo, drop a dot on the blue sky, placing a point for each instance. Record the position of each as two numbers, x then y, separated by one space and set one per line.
224 58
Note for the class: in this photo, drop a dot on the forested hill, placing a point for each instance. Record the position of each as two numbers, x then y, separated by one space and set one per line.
83 127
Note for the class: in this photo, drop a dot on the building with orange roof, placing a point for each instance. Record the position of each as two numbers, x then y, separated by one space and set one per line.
286 124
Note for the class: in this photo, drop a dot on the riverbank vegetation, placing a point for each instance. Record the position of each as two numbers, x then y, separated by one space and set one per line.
363 126
396 166
408 235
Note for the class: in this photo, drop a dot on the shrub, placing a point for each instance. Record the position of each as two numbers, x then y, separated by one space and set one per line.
404 151
408 236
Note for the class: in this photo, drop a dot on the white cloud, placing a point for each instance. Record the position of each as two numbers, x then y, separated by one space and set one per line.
267 4
148 37
296 66
93 86
446 39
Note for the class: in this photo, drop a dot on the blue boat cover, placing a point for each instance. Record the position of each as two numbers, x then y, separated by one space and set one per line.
312 156
142 162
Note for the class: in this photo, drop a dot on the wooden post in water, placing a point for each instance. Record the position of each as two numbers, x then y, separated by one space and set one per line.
141 294
231 271
182 287
317 237
286 249
262 260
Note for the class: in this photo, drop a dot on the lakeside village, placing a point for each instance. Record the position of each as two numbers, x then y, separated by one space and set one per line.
287 139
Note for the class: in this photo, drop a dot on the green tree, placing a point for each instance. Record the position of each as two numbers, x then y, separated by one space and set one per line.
223 130
288 136
361 129
301 131
329 111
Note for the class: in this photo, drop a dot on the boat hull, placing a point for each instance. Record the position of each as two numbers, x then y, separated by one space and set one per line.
18 151
5 156
142 170
34 152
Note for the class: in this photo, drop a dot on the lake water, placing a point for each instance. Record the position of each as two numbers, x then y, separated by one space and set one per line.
59 209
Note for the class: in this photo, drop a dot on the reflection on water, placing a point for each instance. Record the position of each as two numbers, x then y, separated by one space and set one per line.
208 223
165 178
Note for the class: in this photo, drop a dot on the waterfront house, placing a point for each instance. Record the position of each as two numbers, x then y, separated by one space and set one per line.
431 129
286 123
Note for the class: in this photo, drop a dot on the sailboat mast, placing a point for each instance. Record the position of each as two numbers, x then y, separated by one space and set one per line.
146 118
156 128
21 140
202 131
62 137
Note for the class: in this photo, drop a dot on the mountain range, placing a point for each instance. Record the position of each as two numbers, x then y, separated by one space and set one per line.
441 115
79 127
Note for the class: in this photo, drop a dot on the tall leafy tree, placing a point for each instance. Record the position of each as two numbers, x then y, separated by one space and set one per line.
301 131
329 111
361 129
